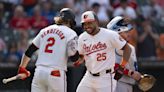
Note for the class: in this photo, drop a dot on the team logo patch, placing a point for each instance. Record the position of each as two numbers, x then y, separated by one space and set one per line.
85 16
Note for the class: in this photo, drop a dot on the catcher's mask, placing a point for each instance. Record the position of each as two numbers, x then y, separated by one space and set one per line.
119 24
146 82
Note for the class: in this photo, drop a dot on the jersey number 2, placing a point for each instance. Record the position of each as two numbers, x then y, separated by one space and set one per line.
51 42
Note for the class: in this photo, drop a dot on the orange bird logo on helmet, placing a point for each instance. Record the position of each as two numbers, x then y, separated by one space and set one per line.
85 16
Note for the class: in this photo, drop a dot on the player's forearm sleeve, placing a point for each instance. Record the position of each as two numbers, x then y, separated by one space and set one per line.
31 49
72 46
75 57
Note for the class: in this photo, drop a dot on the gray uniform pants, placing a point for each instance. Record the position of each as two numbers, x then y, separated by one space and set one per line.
123 87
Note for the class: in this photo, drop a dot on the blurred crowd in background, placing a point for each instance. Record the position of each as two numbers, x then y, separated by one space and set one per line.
21 20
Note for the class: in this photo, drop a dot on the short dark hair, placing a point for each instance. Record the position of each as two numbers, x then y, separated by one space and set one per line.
123 1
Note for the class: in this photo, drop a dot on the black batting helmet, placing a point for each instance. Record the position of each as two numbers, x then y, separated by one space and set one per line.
67 15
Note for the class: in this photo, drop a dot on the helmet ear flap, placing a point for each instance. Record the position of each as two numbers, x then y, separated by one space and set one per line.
119 29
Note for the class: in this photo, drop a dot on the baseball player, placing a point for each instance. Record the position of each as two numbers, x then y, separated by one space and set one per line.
97 45
130 74
55 43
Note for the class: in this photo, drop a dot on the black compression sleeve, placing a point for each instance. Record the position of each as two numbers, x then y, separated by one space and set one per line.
31 49
75 57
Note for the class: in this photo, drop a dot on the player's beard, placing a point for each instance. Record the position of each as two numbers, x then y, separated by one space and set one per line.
92 31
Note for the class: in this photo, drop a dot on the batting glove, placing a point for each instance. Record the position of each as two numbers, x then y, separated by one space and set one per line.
119 71
25 71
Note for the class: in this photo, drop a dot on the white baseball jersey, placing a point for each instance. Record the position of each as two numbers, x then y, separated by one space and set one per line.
99 50
55 43
132 64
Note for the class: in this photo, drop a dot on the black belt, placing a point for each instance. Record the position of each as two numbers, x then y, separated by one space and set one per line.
98 74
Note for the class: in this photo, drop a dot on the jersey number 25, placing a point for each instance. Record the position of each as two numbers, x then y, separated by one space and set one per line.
51 42
101 56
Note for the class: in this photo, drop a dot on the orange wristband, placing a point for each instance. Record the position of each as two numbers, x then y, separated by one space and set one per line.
123 62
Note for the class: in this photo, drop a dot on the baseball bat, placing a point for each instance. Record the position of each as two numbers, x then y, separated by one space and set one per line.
17 77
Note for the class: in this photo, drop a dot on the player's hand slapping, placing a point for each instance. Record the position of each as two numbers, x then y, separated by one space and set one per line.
79 62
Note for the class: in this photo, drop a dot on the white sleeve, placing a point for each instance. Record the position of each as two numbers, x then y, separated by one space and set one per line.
117 41
118 55
36 40
72 46
80 47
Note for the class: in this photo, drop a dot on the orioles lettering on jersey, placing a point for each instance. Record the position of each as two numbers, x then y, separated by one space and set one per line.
53 31
94 47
